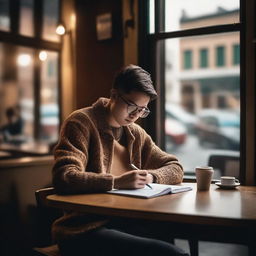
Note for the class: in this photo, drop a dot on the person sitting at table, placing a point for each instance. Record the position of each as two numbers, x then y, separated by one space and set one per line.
12 132
96 148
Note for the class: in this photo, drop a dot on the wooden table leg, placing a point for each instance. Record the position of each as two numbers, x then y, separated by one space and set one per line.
193 246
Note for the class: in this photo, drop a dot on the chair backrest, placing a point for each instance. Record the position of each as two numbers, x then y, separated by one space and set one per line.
45 216
226 164
41 195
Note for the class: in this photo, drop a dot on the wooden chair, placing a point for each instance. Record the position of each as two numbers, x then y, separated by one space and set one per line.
46 215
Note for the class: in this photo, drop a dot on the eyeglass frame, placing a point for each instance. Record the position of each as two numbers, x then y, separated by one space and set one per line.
143 111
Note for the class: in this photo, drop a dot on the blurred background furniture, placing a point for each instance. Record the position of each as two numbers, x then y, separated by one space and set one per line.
46 215
227 163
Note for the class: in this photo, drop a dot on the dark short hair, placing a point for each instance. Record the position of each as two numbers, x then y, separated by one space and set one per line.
10 112
134 78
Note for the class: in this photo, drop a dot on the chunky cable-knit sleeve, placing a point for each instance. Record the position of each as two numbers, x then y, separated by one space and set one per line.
164 167
72 156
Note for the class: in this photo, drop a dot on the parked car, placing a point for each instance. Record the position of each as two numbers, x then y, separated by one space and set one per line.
178 113
219 128
176 132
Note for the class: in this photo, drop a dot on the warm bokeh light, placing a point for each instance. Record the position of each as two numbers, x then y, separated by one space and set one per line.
43 55
60 30
24 60
73 21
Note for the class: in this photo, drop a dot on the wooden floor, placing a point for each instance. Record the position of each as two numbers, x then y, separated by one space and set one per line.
215 249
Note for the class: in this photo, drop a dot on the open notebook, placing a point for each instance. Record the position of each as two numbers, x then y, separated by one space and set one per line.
146 192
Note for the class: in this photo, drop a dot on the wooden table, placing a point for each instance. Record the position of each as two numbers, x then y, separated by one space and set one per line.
4 154
215 215
31 148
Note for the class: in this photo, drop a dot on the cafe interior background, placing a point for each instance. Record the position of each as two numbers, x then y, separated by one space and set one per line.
201 55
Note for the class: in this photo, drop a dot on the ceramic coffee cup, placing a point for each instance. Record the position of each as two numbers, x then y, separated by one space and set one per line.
203 177
228 180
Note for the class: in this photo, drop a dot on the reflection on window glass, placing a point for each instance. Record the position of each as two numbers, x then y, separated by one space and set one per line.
184 14
4 15
26 17
152 16
50 19
49 111
202 104
16 93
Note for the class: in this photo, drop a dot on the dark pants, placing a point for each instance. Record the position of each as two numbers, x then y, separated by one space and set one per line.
123 238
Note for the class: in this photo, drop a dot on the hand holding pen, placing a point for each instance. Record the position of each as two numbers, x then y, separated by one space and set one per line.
136 168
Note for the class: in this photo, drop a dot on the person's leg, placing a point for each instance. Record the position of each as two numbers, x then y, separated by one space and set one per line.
144 228
104 242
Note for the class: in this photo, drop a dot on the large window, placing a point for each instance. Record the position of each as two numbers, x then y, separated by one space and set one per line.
29 72
197 74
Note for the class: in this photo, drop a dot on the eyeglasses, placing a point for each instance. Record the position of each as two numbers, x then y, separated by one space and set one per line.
132 108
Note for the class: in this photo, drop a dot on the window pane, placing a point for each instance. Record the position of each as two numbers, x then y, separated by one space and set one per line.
184 14
236 54
49 111
16 93
4 15
202 105
50 19
203 58
26 17
152 16
187 59
220 56
17 104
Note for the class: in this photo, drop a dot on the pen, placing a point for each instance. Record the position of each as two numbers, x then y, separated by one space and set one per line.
136 168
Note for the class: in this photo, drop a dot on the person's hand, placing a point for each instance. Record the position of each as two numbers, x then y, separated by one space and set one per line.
132 179
150 178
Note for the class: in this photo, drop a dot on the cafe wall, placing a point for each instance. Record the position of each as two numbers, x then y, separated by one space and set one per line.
97 60
89 64
19 217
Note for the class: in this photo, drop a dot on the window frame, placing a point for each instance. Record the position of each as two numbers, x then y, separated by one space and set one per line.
37 43
150 61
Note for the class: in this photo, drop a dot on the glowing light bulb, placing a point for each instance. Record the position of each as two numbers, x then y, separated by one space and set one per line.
43 55
60 30
24 60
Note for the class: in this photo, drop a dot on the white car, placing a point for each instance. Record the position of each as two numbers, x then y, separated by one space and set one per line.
178 113
175 132
220 128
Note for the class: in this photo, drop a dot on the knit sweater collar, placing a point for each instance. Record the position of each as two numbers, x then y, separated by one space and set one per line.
101 112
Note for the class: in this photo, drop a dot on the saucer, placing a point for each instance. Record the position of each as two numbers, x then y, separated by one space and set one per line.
227 186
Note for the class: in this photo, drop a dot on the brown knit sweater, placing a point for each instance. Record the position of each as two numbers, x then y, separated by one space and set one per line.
83 158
